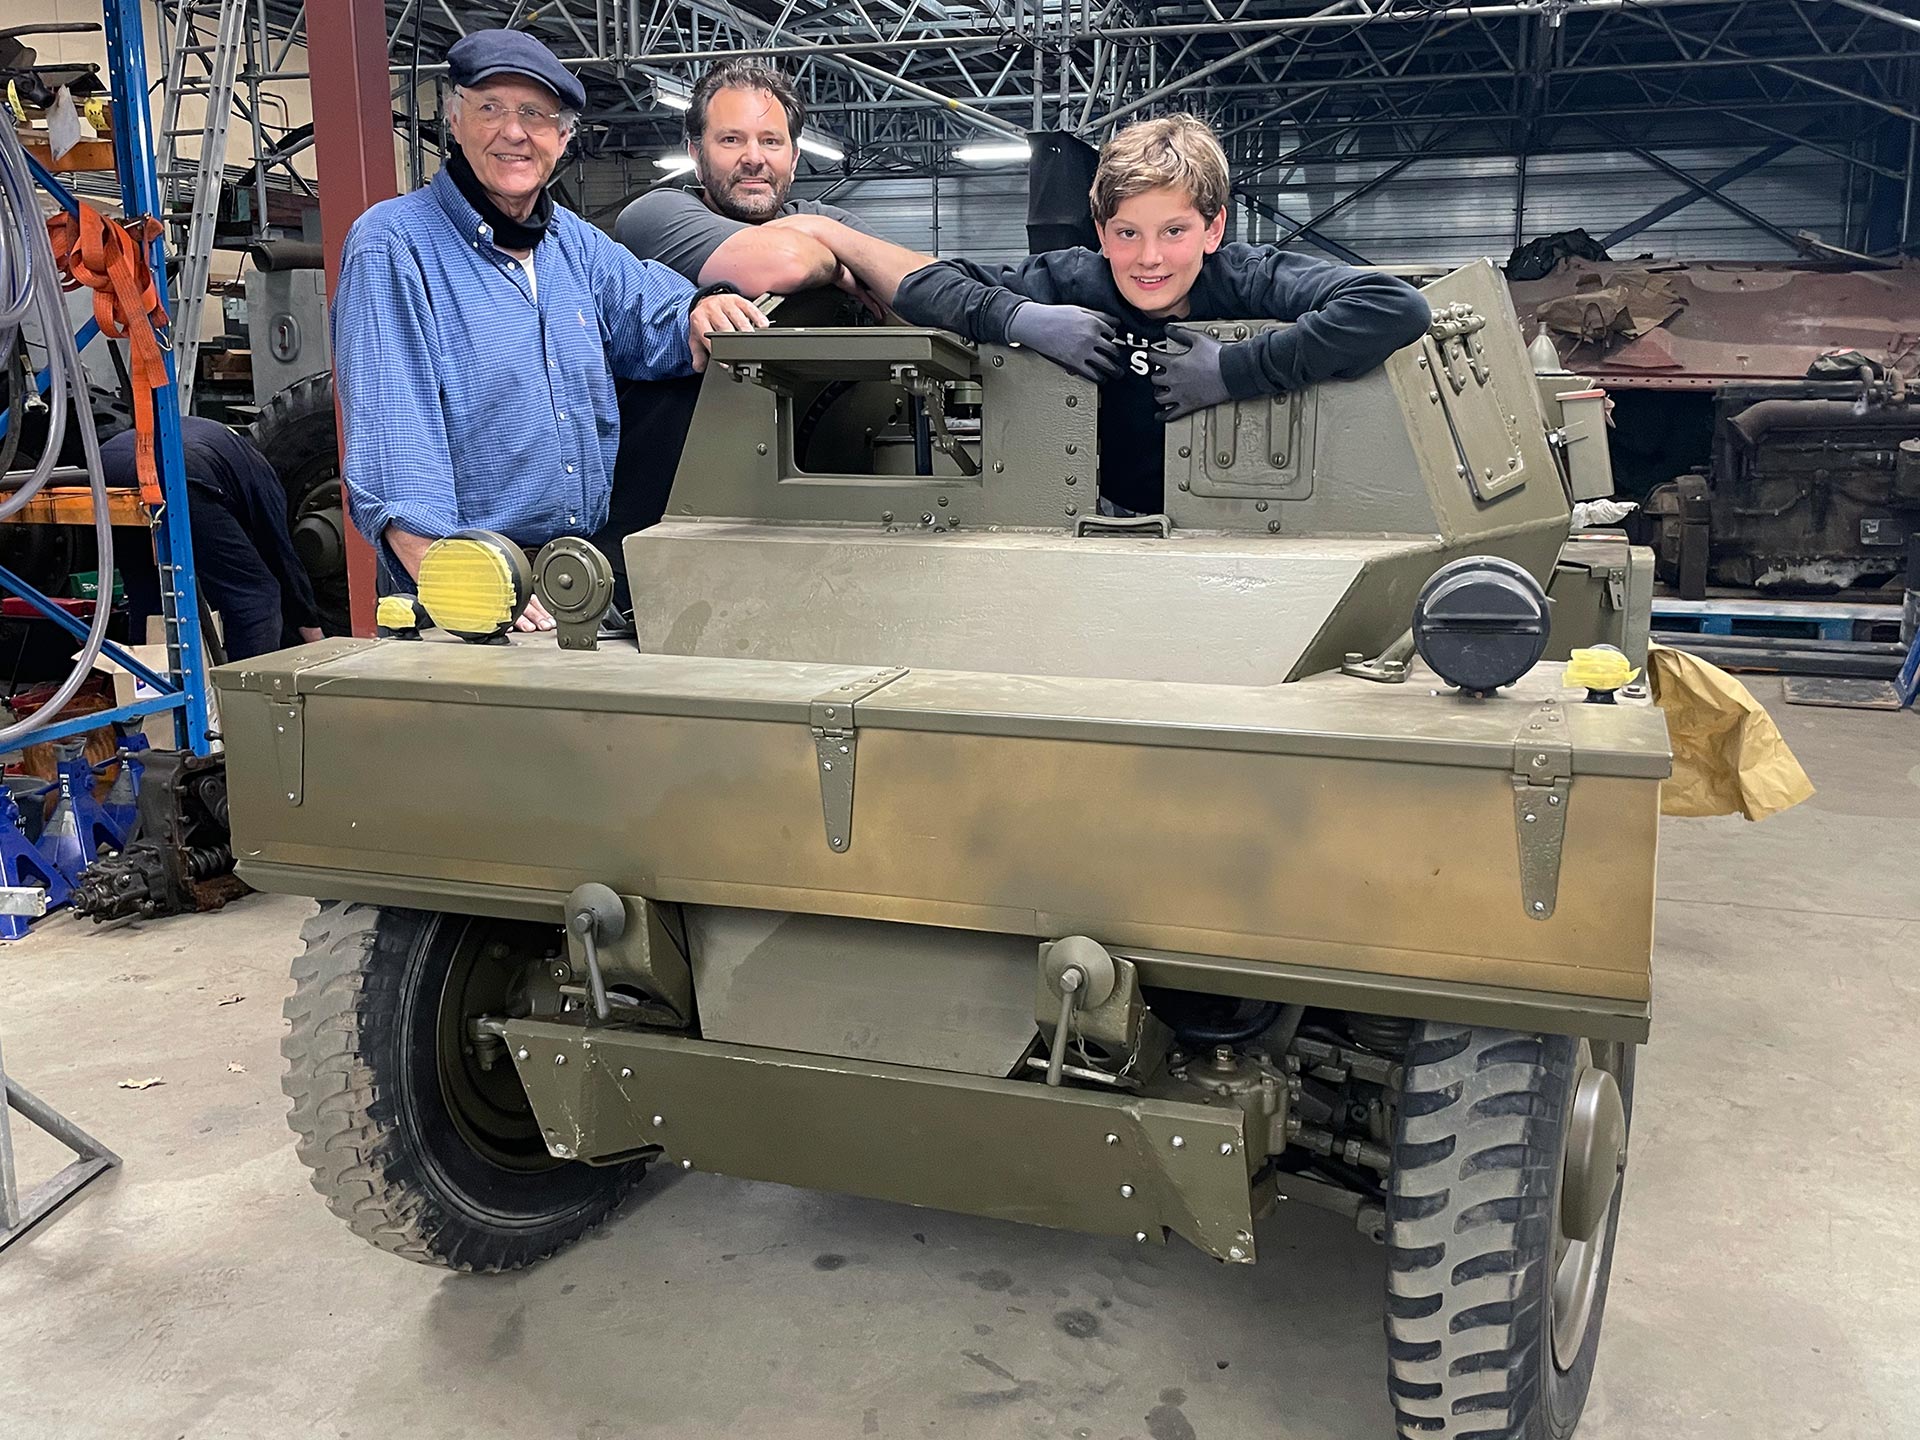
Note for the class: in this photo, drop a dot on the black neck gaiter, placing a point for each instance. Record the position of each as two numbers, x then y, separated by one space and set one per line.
508 233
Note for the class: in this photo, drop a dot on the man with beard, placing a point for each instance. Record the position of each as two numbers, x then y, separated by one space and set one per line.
736 226
735 223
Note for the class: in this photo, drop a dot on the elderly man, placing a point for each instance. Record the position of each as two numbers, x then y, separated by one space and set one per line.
478 328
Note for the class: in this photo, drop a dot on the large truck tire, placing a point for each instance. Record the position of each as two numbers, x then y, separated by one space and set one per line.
299 434
1509 1152
419 1147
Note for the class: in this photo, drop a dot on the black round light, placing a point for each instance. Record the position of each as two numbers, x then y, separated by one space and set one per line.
1480 623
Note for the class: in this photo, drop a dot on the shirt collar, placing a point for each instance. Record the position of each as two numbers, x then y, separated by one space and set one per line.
466 220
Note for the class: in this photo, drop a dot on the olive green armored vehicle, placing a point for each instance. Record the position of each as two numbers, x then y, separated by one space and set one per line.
944 841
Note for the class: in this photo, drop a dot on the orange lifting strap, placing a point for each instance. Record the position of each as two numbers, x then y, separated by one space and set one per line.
111 260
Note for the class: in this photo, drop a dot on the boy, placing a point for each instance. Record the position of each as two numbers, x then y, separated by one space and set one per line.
1160 205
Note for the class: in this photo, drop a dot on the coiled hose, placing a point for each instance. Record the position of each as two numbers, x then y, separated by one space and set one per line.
30 288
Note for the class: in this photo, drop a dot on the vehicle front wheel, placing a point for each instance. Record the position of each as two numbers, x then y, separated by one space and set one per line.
1509 1155
418 1132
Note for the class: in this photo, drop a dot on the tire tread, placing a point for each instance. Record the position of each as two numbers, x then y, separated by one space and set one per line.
344 1004
1478 1126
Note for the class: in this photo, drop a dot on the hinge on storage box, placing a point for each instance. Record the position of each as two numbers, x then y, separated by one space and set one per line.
1542 789
286 710
831 718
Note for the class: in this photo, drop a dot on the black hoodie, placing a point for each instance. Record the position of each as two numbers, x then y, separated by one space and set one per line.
1345 322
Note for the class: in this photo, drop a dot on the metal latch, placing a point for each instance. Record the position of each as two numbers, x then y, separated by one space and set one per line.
932 394
1542 790
831 718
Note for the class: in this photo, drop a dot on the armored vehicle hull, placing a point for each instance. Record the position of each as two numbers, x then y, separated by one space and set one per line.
928 819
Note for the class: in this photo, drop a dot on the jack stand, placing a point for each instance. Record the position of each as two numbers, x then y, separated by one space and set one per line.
92 1160
122 805
24 868
79 830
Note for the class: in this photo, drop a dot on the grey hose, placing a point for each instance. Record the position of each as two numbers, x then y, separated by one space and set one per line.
26 287
30 283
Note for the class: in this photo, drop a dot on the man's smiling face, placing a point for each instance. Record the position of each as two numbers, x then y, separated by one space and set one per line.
1155 242
513 159
745 157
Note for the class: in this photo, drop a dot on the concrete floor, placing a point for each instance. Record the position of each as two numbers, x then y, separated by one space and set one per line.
1764 1287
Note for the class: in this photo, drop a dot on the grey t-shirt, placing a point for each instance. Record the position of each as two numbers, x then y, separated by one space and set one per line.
673 225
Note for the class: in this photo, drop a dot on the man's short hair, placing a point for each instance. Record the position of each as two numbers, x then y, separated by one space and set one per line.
1180 152
745 75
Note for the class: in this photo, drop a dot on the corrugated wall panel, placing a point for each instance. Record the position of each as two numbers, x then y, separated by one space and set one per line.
1441 211
983 216
1455 210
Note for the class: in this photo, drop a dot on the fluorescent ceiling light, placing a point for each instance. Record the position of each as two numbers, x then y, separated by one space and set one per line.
822 148
672 93
674 162
993 153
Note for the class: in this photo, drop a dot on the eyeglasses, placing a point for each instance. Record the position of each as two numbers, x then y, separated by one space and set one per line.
535 121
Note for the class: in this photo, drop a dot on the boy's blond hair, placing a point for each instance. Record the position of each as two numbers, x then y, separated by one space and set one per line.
1175 151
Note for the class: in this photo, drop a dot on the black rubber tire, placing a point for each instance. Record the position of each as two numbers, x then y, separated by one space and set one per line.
371 1113
298 432
1470 1237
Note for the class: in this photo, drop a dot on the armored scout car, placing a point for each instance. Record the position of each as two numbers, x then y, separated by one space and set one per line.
1143 864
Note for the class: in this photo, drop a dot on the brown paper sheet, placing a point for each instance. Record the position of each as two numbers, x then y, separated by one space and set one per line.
1728 755
1634 303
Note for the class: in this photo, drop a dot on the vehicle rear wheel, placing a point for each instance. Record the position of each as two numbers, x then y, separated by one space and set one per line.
297 432
419 1139
1509 1155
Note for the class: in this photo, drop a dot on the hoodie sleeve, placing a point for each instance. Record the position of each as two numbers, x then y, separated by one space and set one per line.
977 301
1345 321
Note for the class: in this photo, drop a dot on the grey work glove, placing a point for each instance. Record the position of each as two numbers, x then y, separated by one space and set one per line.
1188 380
1072 336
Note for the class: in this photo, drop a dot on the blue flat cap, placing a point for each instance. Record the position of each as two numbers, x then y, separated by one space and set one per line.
487 53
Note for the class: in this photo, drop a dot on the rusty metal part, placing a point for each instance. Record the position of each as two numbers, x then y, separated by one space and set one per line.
1741 322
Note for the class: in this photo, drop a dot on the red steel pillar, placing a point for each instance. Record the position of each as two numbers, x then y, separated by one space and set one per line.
353 148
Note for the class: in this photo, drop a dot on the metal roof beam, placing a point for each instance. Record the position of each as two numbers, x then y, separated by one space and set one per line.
1706 189
1701 189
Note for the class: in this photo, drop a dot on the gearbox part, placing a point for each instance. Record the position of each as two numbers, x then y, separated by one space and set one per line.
575 582
180 855
1481 622
475 584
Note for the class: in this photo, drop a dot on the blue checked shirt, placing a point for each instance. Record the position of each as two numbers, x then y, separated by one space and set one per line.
469 403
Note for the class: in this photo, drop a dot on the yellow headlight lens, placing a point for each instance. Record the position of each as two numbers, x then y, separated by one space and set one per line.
1601 668
468 586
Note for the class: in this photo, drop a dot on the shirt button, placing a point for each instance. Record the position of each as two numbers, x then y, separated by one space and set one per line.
569 469
563 414
571 520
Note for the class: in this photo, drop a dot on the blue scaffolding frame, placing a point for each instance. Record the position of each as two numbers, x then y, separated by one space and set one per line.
182 691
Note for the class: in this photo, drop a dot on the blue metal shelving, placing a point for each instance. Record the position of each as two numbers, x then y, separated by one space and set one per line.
182 690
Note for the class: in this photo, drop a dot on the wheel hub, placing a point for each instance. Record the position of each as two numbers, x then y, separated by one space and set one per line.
319 539
1596 1149
490 971
1590 1170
